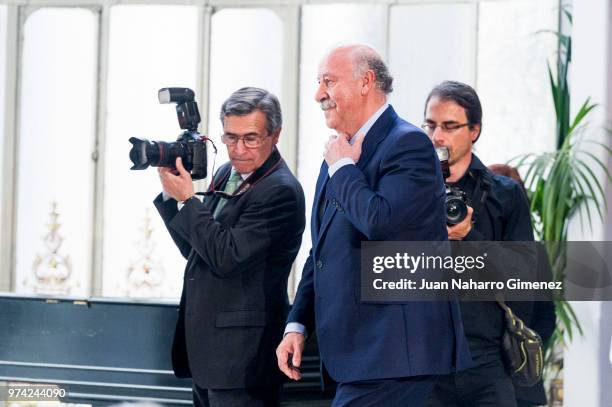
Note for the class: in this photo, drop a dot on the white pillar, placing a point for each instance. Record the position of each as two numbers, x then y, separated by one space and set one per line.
588 360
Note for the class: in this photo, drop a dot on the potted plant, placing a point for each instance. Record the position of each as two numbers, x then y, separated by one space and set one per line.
562 184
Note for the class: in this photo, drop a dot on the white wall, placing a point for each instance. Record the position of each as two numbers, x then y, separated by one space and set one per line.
588 368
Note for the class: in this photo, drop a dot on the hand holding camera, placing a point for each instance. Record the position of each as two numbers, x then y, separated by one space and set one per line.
177 183
460 230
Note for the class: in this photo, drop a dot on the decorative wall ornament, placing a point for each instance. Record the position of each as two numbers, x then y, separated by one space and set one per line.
52 271
145 275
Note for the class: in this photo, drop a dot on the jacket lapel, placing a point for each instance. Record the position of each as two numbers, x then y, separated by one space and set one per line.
377 133
220 180
318 201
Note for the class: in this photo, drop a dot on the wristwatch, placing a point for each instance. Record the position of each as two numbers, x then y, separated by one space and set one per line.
180 204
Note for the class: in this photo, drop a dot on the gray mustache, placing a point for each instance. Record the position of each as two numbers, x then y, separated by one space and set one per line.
327 104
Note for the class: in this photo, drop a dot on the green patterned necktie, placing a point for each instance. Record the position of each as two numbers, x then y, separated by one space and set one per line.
230 186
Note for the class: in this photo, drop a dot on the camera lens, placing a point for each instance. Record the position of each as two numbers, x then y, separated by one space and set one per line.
143 153
189 146
167 154
456 210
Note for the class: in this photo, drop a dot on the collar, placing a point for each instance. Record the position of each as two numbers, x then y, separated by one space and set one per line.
369 123
272 163
476 166
242 175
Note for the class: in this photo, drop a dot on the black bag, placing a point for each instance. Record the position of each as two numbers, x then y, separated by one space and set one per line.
521 349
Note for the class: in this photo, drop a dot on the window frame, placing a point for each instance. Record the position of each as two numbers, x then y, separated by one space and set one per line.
17 14
289 11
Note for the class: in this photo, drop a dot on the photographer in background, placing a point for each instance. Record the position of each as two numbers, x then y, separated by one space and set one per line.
497 211
240 243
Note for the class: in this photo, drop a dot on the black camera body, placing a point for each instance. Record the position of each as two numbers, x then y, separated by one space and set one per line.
456 199
190 145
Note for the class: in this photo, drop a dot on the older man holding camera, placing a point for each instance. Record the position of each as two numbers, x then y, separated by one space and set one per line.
240 243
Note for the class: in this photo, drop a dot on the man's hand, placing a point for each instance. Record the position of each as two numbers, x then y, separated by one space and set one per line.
338 147
460 230
289 354
176 183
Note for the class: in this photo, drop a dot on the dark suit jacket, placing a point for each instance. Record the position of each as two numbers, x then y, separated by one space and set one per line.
395 192
234 301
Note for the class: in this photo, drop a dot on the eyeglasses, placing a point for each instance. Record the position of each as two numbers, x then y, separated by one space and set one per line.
250 140
445 127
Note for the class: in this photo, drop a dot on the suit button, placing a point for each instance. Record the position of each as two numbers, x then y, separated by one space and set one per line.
319 264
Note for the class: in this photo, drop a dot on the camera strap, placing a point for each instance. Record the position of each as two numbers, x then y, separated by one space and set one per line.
481 190
273 162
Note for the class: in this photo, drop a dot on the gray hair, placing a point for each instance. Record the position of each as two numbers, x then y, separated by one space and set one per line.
371 60
247 100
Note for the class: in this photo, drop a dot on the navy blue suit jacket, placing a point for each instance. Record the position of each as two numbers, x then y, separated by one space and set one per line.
395 192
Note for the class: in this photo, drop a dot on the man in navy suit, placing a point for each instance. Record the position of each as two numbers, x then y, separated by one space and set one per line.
381 180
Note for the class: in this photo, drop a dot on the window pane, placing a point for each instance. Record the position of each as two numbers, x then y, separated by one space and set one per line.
518 115
151 47
246 50
323 27
422 57
55 170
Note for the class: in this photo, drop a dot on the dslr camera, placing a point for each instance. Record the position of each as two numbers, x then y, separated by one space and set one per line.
190 145
456 199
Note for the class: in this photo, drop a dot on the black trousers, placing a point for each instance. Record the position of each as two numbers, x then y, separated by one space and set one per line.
486 385
249 397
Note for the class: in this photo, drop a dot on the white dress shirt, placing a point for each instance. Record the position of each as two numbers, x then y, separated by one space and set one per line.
360 133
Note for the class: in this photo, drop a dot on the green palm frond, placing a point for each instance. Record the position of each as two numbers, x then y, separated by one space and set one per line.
566 182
